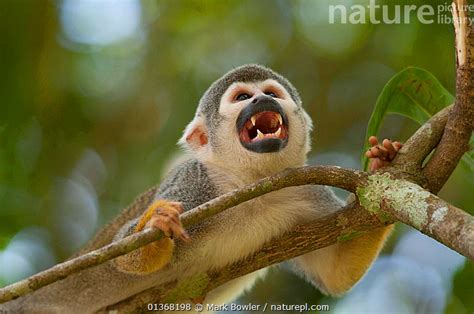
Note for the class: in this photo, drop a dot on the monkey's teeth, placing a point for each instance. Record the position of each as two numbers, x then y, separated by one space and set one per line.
280 119
278 132
260 135
253 119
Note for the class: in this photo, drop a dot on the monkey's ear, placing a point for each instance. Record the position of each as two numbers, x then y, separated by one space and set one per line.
195 135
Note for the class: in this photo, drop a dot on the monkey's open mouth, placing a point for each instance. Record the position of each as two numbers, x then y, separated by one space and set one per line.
263 127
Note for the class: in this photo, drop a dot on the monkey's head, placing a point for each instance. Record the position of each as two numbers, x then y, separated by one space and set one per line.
251 118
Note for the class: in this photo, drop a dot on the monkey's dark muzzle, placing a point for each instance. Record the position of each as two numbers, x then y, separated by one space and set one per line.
263 126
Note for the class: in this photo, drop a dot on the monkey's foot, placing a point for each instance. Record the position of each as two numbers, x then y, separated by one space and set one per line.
163 215
381 155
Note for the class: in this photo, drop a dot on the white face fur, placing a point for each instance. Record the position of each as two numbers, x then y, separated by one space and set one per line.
229 152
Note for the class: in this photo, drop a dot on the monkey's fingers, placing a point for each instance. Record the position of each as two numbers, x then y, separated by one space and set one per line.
180 233
170 212
164 215
374 164
169 226
178 206
177 231
377 164
176 227
370 154
397 146
388 145
373 140
379 152
162 223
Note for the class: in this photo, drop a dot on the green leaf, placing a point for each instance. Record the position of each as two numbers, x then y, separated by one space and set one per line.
461 300
413 93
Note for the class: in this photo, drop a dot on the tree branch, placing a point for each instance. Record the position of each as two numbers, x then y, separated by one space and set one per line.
404 200
455 140
340 226
409 203
411 156
333 176
346 179
436 219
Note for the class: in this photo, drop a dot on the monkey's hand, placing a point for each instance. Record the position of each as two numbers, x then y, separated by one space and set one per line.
164 215
381 155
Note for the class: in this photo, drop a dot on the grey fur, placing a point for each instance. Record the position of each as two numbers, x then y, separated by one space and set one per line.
188 183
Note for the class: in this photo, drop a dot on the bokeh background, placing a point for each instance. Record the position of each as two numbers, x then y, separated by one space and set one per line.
94 95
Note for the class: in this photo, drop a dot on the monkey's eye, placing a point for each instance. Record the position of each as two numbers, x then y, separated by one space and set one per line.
243 96
271 94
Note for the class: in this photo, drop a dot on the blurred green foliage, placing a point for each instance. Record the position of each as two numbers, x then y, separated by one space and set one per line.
95 94
461 300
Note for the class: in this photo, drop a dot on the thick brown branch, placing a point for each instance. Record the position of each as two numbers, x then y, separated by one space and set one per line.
445 223
455 140
411 204
411 156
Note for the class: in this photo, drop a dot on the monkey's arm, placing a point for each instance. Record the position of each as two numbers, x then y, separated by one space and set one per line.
186 187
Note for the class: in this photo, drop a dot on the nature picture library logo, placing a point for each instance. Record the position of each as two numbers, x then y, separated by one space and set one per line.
376 13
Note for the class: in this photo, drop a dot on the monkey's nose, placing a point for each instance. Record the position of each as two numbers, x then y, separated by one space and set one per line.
260 99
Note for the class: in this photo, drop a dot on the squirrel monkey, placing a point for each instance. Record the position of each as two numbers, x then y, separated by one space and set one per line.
249 124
